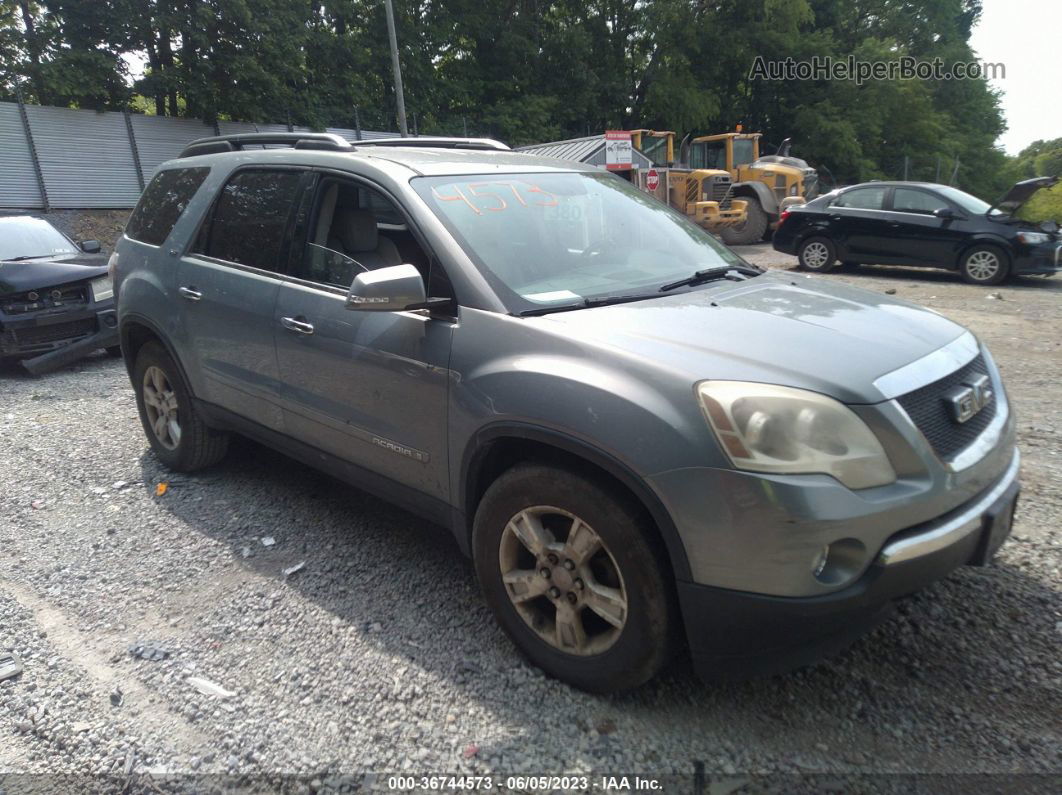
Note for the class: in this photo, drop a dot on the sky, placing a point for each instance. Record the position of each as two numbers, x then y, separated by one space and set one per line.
1025 36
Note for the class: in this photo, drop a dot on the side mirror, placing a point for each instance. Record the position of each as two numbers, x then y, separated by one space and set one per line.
391 289
90 246
1049 226
945 213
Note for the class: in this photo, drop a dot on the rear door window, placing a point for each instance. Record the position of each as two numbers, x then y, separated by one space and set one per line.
906 200
251 217
162 203
862 199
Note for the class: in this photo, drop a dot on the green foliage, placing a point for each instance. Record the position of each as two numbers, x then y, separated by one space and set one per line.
532 70
1045 205
1039 159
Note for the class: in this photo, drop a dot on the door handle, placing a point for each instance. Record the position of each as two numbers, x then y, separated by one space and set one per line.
894 224
296 325
190 293
836 217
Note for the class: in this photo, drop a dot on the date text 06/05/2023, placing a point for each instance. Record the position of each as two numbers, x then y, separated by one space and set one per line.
609 784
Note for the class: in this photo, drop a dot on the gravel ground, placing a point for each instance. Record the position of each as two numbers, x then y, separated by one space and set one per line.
379 655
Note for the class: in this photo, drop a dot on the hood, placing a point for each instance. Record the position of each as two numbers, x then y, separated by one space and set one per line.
1020 193
35 274
767 161
777 328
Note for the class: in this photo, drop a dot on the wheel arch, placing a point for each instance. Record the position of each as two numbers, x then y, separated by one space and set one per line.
135 332
764 195
498 447
985 240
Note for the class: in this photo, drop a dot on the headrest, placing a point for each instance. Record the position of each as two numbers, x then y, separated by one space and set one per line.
356 230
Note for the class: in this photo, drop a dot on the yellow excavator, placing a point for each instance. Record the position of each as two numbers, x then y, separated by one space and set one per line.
703 194
768 184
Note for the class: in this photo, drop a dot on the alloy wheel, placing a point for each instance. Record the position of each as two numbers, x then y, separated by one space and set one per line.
562 580
982 265
160 403
816 255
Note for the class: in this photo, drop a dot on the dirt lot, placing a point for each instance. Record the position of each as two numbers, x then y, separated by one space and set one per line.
379 654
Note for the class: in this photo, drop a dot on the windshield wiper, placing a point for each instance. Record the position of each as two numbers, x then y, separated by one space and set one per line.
586 303
711 274
27 256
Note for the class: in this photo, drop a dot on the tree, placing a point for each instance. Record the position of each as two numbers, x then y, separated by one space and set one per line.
528 71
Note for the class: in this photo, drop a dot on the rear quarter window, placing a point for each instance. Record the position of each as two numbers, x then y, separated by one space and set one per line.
162 203
862 199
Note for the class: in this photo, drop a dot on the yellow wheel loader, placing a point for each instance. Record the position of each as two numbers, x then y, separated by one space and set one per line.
769 184
703 194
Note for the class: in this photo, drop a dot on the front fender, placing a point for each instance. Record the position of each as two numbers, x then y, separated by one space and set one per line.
768 201
623 413
985 238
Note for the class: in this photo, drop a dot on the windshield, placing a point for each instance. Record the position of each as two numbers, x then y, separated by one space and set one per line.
970 204
743 151
557 238
31 237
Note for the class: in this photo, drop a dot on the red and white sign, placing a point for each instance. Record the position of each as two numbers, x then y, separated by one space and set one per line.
619 153
652 180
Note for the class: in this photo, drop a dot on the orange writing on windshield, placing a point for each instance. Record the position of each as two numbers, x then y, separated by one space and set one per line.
488 196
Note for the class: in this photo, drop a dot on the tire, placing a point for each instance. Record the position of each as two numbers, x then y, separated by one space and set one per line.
626 578
986 265
752 231
817 254
184 442
115 351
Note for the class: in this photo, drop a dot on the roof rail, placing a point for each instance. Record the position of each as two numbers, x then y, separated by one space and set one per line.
440 142
297 140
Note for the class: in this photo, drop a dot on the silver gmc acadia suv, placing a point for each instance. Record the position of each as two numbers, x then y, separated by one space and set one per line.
643 442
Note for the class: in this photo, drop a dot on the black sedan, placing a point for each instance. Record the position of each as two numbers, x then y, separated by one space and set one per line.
915 223
56 298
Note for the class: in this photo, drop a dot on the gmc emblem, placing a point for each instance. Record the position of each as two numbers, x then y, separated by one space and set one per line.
967 399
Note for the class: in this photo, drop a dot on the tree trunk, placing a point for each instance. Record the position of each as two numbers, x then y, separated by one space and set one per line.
33 47
156 71
166 60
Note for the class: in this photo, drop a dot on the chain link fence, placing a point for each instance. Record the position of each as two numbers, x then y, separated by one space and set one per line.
62 158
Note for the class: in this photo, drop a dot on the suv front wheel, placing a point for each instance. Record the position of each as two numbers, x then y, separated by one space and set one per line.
575 577
177 433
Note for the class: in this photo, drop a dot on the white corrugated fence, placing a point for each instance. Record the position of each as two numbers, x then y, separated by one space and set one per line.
64 158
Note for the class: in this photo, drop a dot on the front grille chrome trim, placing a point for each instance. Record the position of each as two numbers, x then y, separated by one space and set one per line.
932 367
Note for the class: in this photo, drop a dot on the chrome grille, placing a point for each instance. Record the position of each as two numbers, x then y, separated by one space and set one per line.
928 410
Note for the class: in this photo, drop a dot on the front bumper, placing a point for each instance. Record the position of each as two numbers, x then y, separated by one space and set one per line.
711 215
737 634
1041 260
47 340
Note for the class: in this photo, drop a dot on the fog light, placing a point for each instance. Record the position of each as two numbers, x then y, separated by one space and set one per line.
840 562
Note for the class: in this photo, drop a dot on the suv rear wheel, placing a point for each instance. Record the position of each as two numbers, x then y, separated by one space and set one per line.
176 432
571 572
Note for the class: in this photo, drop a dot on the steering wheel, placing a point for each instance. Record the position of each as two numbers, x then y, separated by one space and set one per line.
595 249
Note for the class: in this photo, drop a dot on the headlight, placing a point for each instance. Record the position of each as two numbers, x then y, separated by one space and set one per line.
767 428
102 288
1033 238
